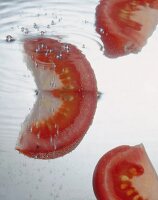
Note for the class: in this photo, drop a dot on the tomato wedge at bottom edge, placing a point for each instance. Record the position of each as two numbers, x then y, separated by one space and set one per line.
125 173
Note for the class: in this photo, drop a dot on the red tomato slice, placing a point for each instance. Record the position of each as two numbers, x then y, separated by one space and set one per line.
64 110
125 173
125 25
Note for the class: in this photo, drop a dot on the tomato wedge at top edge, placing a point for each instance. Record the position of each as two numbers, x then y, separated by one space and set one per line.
125 25
66 101
125 173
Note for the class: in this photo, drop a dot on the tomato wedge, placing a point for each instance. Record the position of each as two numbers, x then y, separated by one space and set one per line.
66 100
125 25
125 173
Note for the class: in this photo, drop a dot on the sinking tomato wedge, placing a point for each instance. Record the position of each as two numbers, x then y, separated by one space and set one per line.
66 101
125 25
125 173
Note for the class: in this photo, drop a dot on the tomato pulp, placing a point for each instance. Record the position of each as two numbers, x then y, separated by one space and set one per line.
66 101
125 25
125 173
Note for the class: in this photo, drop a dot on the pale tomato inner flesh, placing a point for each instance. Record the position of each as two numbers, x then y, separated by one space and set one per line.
135 19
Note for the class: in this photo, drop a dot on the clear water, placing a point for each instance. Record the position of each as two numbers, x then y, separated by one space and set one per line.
127 111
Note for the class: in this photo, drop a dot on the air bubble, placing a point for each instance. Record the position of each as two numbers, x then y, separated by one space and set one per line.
52 22
37 50
22 29
35 25
26 31
48 26
36 64
67 48
42 46
42 32
59 56
101 30
52 83
46 53
50 50
9 38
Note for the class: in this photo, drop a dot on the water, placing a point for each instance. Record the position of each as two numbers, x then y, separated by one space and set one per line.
127 110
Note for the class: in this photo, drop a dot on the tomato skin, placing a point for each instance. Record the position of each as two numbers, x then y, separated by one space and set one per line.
72 99
124 25
98 183
125 173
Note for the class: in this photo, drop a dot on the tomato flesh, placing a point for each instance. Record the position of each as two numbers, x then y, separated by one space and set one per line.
125 25
125 173
57 124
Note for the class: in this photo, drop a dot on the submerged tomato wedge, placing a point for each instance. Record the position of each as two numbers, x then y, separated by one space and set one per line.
66 101
125 173
125 25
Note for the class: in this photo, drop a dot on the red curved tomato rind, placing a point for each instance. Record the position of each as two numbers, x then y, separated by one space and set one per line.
120 32
125 173
61 131
98 175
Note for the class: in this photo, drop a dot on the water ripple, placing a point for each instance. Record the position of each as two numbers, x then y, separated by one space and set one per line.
68 21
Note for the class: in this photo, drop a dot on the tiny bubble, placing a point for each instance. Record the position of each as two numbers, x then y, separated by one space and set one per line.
36 92
35 26
59 56
52 23
26 31
83 46
50 50
37 50
36 64
42 45
101 30
9 38
22 29
67 48
42 32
